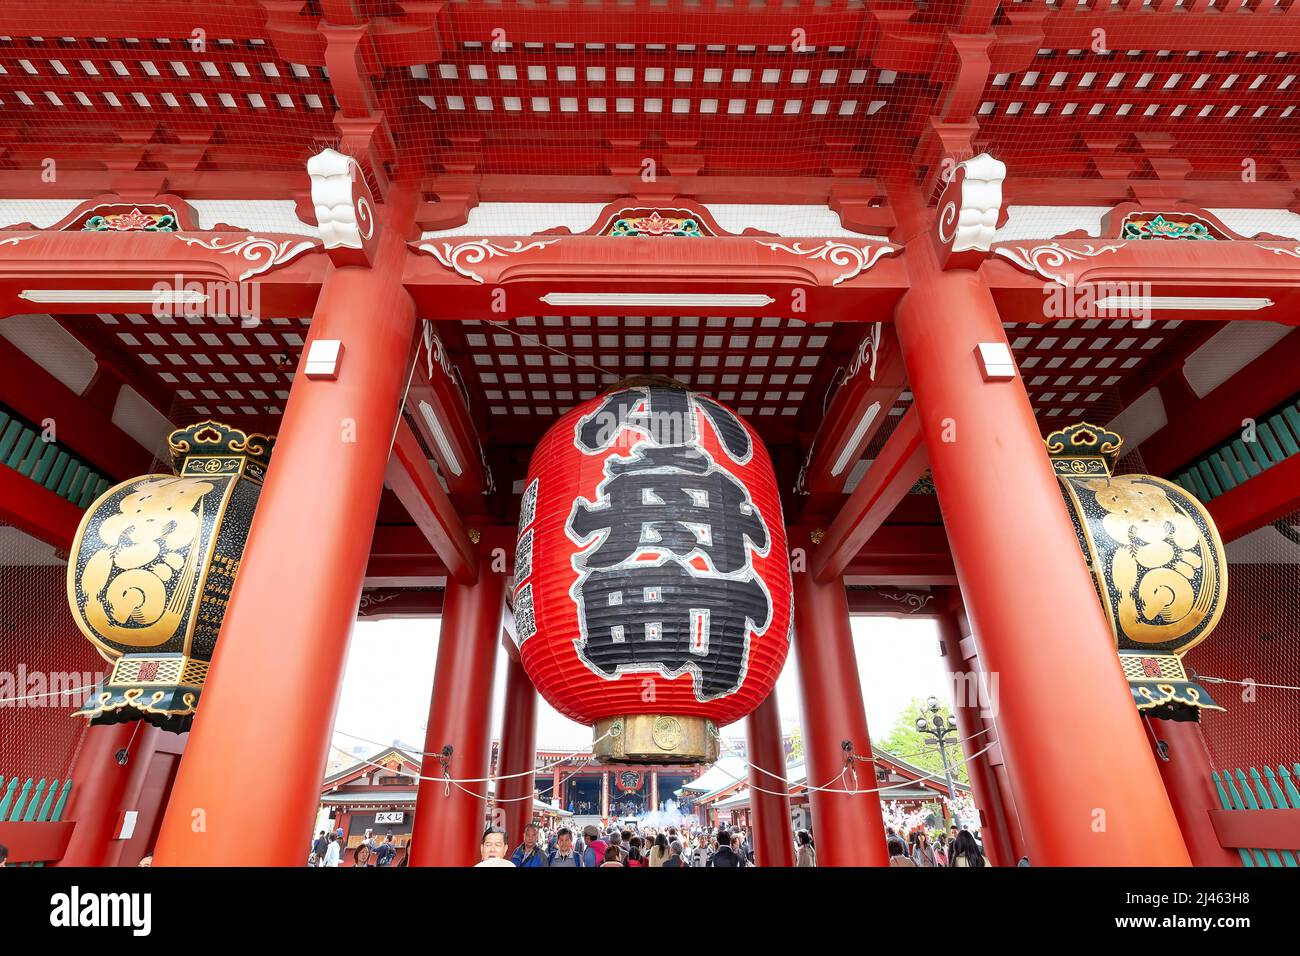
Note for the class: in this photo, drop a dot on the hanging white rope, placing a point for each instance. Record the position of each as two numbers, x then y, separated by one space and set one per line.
425 753
446 778
829 787
53 693
1244 683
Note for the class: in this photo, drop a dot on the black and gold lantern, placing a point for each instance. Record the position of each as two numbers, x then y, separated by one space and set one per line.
152 567
1157 563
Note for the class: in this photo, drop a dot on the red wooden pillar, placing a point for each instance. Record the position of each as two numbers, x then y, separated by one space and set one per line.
773 836
1185 769
1086 786
848 825
449 818
1001 831
518 752
104 790
98 785
271 693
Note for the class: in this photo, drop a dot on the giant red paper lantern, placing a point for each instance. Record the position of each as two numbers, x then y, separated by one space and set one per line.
652 584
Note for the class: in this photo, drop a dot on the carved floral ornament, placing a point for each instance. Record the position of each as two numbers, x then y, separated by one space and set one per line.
853 258
157 219
262 253
1047 258
463 256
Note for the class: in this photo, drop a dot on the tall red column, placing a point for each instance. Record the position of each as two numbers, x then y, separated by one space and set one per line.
98 785
449 818
1086 786
1185 769
518 752
769 791
268 706
847 824
1001 831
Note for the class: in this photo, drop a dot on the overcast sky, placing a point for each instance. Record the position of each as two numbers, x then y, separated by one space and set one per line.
390 675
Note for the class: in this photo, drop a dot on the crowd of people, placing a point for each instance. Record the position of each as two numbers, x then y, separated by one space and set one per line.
703 847
957 847
328 849
672 846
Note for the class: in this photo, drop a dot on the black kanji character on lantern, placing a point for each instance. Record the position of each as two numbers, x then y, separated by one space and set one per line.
669 618
674 499
643 603
664 415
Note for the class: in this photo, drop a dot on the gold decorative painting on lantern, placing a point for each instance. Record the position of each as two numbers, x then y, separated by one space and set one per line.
1157 563
151 569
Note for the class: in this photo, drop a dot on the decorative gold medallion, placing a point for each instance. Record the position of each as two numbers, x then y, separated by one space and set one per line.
667 733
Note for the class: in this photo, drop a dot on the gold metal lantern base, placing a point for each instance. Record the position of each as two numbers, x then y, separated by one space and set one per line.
655 738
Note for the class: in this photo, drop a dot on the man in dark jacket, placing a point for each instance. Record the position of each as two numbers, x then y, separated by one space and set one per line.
530 853
384 855
725 856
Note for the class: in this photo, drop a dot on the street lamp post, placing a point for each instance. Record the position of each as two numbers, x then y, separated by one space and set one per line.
937 731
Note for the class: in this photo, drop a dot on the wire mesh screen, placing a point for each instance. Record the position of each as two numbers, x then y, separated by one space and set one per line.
780 91
45 662
1250 663
1257 647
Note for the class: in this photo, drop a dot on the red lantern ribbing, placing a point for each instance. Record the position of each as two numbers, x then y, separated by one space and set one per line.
652 585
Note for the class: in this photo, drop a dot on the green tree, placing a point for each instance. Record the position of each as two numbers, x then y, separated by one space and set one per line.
907 744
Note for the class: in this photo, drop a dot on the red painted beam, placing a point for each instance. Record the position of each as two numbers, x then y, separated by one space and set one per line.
416 486
209 184
437 407
379 604
1256 389
890 477
90 434
904 556
894 602
860 407
1274 829
1268 496
37 510
672 23
36 842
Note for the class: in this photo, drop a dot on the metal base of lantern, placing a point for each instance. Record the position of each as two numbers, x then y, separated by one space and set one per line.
160 689
655 738
1161 687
